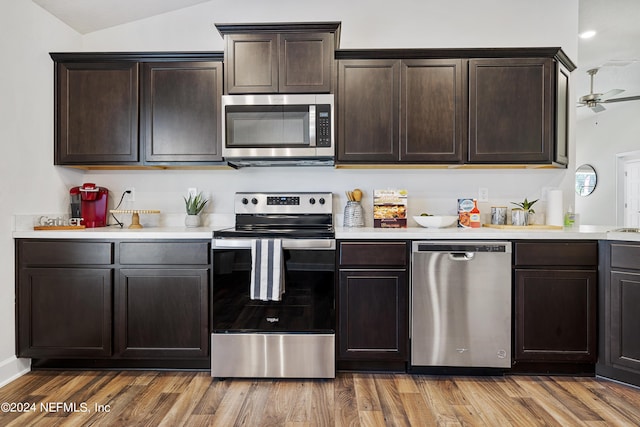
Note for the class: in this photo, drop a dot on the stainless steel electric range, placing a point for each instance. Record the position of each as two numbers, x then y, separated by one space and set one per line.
286 242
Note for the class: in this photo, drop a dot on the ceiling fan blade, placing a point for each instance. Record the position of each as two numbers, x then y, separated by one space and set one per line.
612 92
597 108
628 98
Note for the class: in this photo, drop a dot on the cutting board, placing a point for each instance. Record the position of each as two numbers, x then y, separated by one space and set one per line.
524 227
58 227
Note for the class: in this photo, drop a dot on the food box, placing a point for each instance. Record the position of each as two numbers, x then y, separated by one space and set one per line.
464 212
390 208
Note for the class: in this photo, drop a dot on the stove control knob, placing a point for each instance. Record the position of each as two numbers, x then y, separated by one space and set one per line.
312 201
245 201
254 201
321 201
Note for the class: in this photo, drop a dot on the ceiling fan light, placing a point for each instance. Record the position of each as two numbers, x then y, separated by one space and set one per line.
587 34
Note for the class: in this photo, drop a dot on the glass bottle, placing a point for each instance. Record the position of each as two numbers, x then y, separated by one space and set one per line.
474 217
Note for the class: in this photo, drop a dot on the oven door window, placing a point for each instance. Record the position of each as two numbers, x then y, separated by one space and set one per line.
307 305
267 126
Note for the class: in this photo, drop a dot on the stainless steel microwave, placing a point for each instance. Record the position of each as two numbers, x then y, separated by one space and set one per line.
278 129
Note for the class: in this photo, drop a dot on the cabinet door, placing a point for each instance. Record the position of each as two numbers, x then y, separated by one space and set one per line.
625 318
511 110
563 104
305 61
368 97
162 313
555 315
64 312
251 63
431 111
372 321
96 113
181 111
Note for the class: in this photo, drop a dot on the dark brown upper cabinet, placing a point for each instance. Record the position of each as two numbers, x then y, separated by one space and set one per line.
137 109
453 107
279 58
563 104
96 111
180 111
368 110
511 110
399 111
431 110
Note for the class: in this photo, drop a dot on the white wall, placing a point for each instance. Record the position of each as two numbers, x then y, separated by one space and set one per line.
30 182
365 24
599 138
32 185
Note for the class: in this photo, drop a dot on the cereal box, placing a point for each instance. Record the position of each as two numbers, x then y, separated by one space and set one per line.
390 208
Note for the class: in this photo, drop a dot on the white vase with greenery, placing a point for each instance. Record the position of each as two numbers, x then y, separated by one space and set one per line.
194 205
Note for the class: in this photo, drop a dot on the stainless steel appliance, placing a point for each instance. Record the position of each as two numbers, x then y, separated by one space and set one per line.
278 129
291 337
461 304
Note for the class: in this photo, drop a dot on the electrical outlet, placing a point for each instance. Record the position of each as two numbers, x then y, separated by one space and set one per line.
483 194
131 197
192 192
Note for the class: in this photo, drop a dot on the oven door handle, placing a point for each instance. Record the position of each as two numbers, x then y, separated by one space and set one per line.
317 244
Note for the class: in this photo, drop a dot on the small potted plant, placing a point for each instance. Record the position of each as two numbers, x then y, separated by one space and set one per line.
520 215
194 205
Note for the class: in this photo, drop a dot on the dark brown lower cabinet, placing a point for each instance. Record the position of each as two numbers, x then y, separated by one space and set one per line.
555 315
625 320
555 306
162 312
65 312
619 319
136 304
373 293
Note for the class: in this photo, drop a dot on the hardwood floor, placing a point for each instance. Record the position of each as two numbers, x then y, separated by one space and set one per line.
108 398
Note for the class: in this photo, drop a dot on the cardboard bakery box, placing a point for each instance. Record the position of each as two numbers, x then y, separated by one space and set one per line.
390 208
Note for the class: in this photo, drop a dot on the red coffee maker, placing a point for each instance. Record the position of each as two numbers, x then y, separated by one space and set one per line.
92 203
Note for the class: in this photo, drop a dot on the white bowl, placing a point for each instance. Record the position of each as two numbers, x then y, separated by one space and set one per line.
436 221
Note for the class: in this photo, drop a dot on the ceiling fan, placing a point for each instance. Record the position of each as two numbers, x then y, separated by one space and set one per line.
595 100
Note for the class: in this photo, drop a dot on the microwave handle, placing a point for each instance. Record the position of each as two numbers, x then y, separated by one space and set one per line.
312 125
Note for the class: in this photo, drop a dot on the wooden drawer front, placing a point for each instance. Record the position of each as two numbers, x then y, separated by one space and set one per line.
57 253
378 254
156 253
625 256
578 253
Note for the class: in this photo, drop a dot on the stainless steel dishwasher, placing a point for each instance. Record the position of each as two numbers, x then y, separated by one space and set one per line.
461 304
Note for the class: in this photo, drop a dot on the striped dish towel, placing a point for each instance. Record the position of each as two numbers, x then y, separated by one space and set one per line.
267 270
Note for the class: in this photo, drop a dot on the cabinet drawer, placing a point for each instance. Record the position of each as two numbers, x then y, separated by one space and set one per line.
155 253
378 254
625 256
573 253
54 252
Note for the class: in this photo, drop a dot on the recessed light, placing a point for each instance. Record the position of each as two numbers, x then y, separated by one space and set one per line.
587 34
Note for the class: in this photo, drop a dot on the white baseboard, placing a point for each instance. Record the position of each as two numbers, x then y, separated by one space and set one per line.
13 368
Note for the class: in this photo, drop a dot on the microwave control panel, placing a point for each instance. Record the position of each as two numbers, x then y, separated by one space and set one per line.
323 125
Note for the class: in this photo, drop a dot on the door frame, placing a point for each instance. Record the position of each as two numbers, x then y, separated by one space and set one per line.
621 161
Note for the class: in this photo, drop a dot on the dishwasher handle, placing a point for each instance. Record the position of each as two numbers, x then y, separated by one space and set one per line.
462 256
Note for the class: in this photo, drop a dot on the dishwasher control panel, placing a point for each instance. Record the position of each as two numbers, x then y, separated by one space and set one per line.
500 247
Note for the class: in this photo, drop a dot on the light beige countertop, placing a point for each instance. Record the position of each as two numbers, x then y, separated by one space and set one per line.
119 233
583 232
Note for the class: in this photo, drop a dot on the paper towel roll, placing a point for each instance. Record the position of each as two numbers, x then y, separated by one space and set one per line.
554 208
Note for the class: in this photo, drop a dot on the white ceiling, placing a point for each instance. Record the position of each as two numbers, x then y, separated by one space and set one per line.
616 22
86 16
615 49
